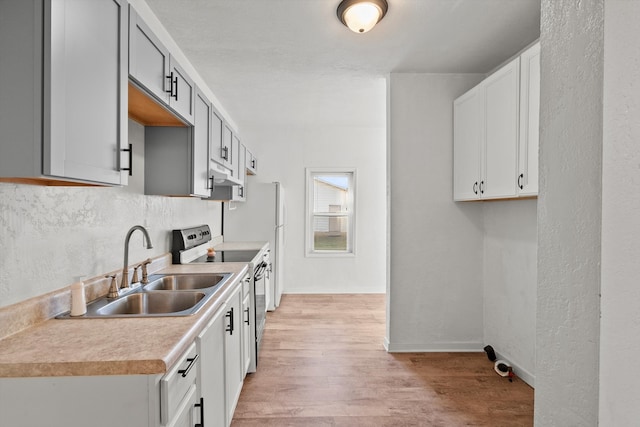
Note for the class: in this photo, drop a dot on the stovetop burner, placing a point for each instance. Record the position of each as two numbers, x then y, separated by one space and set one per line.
228 256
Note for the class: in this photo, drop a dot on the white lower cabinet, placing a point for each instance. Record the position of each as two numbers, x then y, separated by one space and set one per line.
234 375
246 333
212 371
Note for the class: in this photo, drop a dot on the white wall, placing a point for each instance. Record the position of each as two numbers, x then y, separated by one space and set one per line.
569 214
284 153
436 245
510 282
48 235
620 302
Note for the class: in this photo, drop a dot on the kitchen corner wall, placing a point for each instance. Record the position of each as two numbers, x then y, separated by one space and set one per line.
436 245
48 235
510 283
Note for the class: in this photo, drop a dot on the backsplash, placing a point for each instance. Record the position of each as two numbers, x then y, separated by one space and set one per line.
48 235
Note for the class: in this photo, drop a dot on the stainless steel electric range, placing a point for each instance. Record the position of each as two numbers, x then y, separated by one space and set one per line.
191 246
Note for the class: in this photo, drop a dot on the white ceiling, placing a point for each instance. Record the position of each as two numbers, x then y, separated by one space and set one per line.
293 62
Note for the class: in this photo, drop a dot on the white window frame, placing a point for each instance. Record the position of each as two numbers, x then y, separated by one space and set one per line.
310 214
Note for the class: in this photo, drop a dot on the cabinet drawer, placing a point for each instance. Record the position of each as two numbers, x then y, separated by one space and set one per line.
175 385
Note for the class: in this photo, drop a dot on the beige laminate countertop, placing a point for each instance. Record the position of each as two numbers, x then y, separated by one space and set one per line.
136 346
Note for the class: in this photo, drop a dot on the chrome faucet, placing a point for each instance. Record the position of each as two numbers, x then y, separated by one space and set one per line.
125 270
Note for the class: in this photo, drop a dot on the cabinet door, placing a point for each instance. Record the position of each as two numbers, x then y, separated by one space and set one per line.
148 58
233 351
211 342
467 136
201 139
85 91
215 148
501 101
529 121
251 163
182 94
227 146
246 334
239 191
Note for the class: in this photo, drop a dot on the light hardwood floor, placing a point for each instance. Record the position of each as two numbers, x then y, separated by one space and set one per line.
322 363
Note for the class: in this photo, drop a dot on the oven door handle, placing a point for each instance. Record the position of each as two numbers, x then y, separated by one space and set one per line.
258 273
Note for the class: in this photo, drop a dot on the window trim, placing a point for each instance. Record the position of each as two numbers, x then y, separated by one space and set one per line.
309 214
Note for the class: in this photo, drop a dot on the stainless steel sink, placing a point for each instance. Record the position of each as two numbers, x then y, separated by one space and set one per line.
165 295
175 282
152 303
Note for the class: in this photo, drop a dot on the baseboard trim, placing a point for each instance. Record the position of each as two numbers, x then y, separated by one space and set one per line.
441 347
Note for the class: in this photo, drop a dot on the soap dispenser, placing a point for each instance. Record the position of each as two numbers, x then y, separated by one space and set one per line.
78 299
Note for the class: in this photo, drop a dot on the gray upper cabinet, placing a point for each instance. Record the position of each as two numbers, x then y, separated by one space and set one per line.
201 137
216 148
152 67
251 162
177 158
148 59
63 109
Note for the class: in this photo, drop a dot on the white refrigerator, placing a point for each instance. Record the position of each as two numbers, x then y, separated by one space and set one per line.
260 218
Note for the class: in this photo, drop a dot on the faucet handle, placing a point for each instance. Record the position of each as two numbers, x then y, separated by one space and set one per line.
113 287
145 276
135 274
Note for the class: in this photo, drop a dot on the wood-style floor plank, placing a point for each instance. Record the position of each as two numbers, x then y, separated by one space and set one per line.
322 363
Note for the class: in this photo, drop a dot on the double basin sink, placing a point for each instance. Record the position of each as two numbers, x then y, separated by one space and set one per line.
164 295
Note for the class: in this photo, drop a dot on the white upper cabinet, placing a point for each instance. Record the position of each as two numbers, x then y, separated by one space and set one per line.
501 132
467 134
201 137
63 79
152 67
529 121
496 133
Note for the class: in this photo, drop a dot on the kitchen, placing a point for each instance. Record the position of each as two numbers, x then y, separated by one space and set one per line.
93 221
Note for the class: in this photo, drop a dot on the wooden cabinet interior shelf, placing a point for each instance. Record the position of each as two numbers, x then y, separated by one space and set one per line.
146 111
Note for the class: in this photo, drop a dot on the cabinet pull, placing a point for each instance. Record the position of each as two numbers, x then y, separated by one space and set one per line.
520 177
175 82
210 183
481 187
225 153
475 187
130 151
246 310
253 164
192 361
230 316
241 191
201 406
170 91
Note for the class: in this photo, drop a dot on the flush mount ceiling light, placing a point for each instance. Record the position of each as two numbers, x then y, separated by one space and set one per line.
361 15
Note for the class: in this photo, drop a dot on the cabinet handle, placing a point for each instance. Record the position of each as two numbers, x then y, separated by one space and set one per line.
175 82
192 361
210 184
201 406
253 164
170 91
230 316
130 151
225 153
481 187
246 310
241 191
475 187
520 177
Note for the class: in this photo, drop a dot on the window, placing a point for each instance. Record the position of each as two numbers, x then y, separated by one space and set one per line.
330 212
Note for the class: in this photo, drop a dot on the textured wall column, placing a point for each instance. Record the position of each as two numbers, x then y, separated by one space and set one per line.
569 213
620 325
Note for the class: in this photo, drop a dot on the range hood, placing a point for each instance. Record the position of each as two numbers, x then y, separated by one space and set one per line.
222 176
